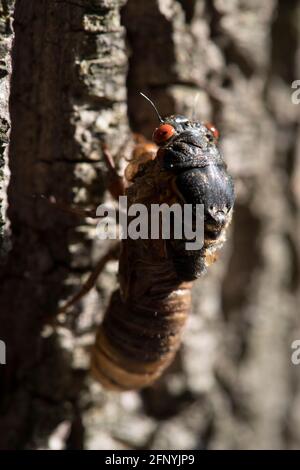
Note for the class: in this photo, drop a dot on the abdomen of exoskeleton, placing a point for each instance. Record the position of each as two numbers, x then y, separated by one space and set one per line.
144 322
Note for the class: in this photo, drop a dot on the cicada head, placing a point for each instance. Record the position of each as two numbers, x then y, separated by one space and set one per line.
189 150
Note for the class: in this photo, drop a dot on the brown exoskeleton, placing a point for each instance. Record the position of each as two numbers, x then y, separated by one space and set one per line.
142 326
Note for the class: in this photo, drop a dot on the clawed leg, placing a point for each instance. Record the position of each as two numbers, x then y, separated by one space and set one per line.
112 253
116 187
91 213
116 184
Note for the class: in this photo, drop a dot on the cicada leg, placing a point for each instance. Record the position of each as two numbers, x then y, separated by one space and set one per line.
73 210
111 254
116 184
117 188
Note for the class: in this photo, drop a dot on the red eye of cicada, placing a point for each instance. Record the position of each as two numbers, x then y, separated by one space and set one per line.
213 130
163 133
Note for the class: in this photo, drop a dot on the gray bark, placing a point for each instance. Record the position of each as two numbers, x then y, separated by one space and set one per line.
233 384
6 36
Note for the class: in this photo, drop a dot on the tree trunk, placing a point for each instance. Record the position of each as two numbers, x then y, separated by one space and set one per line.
75 82
6 35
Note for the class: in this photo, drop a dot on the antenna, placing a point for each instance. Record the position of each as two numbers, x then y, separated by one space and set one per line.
196 99
153 105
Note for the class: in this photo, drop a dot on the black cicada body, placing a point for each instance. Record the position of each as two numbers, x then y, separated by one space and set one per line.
143 324
191 153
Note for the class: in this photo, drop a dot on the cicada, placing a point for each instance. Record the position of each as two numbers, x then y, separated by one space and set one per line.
144 321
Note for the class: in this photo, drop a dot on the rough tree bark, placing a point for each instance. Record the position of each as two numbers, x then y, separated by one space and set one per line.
6 35
75 80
